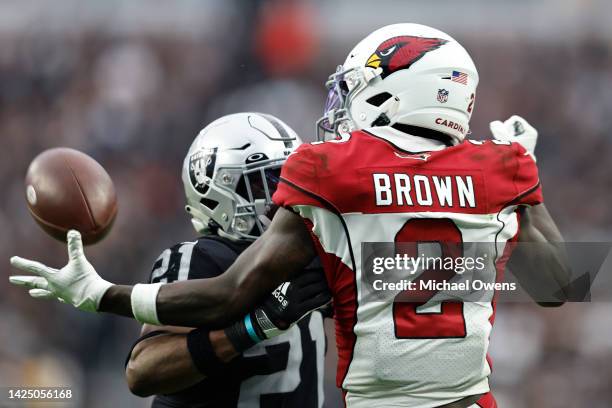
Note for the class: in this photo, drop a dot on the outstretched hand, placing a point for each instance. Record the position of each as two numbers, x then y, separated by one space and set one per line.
77 283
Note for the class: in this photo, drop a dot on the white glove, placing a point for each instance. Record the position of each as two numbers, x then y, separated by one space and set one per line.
77 283
516 129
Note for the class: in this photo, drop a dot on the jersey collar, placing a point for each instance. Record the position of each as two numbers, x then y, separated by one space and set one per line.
404 141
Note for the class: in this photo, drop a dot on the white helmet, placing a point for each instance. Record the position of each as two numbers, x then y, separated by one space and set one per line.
403 75
231 171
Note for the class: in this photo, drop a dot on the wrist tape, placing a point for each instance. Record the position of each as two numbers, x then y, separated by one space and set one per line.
265 325
245 333
144 306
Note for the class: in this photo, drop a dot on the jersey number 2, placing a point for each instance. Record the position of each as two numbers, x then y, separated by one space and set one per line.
448 321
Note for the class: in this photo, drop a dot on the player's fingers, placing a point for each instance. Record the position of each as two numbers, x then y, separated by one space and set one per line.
327 310
282 287
308 277
44 294
313 290
302 292
41 294
317 302
516 123
30 266
516 118
498 130
35 282
75 245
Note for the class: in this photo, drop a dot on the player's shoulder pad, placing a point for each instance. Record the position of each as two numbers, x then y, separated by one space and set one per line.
310 174
316 159
517 172
515 147
527 178
501 152
525 164
216 253
199 259
300 171
300 163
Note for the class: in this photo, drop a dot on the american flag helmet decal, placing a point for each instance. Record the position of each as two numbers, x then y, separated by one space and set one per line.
460 77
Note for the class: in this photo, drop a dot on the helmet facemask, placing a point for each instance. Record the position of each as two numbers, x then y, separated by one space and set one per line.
247 208
254 190
343 86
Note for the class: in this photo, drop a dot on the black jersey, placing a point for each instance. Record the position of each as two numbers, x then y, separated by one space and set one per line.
285 371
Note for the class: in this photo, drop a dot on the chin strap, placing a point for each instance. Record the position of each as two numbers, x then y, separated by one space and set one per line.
388 110
262 209
423 132
197 220
199 226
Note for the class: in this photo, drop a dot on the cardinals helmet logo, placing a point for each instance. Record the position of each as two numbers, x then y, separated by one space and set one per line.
401 52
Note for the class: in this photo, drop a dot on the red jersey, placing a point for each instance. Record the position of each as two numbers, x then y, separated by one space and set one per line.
364 188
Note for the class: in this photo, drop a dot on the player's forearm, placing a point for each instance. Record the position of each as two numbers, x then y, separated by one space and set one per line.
198 303
190 303
541 270
540 262
160 365
163 364
554 253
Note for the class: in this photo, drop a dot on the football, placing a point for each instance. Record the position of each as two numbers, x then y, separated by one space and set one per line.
67 189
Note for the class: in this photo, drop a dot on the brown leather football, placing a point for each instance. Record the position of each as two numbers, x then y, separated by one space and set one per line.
67 189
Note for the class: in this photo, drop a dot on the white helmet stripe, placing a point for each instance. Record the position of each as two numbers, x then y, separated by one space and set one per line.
283 134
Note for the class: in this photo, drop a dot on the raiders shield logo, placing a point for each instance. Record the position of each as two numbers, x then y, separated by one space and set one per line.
201 168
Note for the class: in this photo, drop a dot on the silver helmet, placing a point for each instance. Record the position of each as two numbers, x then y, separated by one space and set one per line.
231 171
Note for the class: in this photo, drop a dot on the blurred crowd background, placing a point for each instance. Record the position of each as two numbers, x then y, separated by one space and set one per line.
131 83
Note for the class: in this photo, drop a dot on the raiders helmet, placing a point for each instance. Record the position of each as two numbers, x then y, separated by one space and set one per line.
231 171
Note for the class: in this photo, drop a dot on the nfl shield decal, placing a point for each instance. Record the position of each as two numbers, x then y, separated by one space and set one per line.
442 95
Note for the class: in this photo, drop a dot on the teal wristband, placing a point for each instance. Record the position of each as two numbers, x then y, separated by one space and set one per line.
250 329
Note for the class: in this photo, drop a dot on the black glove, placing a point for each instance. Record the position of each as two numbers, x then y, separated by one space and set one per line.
284 307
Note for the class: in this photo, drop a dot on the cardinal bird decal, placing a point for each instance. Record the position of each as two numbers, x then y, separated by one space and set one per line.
401 52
